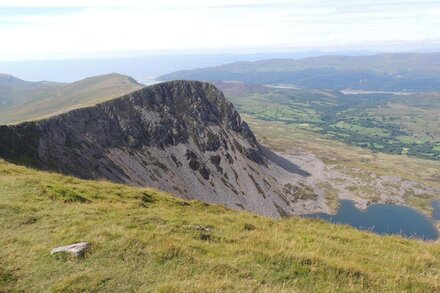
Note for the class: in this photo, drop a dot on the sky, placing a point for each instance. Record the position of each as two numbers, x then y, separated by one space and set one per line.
51 29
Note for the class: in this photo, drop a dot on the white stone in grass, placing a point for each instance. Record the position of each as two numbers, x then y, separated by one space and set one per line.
77 250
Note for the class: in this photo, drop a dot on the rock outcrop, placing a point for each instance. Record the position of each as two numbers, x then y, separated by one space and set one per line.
77 250
182 136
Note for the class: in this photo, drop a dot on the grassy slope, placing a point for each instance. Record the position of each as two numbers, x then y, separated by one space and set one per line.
145 240
58 98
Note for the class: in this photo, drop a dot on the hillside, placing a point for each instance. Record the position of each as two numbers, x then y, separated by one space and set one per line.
392 72
182 137
17 92
145 240
22 100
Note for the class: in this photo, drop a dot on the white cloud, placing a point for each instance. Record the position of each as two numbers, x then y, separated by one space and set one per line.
129 25
137 3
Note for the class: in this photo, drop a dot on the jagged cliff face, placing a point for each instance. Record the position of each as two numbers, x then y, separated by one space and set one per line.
183 137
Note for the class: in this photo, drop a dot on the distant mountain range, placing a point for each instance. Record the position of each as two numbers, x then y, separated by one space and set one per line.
23 100
141 67
388 72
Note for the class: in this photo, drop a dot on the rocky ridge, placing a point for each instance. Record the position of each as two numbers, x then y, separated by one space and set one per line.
181 136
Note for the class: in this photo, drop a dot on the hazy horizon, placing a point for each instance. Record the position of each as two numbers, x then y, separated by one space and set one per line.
144 68
67 29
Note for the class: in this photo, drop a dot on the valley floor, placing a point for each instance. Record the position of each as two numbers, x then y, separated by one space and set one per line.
339 171
144 240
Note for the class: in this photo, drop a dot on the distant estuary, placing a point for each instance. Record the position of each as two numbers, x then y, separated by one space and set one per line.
385 219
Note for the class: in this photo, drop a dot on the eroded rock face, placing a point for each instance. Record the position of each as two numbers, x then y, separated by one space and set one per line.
182 136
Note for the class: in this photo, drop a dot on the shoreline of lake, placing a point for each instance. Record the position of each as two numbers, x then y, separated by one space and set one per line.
385 219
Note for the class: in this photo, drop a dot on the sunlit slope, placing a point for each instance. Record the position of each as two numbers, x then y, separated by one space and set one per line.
22 101
146 240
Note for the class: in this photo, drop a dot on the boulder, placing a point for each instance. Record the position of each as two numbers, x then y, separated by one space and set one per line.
77 250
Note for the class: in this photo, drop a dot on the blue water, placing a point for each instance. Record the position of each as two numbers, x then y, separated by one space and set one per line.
384 219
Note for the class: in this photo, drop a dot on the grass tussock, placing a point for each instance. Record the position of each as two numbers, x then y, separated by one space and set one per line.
145 240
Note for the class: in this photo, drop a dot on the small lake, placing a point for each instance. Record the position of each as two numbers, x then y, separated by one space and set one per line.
385 219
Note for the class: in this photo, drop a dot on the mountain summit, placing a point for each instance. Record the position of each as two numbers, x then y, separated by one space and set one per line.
179 136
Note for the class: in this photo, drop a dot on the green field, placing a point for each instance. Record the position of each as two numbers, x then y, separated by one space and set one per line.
148 241
387 123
